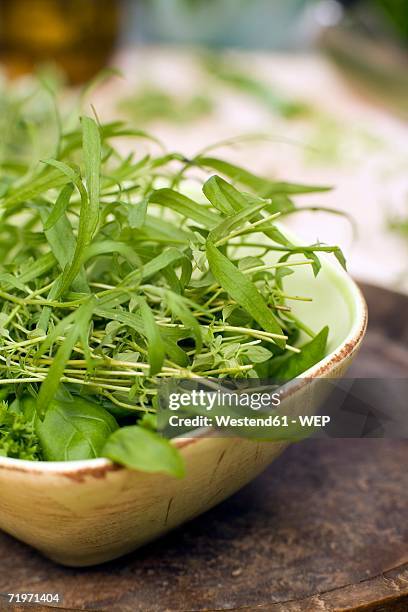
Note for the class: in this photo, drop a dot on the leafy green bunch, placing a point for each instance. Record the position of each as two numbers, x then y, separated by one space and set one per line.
17 435
118 271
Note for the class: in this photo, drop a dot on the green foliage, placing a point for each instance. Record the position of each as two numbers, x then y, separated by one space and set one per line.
112 276
17 436
142 449
243 292
75 429
290 367
153 103
242 81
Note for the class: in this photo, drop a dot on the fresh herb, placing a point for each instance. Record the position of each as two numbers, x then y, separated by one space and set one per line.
269 97
290 366
142 449
152 103
75 429
17 434
117 273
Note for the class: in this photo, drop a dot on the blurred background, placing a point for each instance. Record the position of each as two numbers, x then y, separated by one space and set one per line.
309 90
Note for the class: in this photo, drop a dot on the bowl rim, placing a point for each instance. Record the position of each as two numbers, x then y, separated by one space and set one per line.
98 468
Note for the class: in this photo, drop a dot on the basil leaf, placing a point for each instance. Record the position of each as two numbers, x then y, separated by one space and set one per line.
74 430
140 449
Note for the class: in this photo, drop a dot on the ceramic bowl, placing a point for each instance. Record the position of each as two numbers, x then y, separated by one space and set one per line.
87 512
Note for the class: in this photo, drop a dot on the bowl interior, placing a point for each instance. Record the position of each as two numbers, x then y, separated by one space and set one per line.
336 301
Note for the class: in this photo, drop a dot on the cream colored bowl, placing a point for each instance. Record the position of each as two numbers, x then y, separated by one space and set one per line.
87 512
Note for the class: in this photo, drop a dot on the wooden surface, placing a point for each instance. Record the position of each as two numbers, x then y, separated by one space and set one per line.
324 528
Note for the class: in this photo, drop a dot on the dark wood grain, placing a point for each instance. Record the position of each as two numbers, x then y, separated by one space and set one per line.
324 528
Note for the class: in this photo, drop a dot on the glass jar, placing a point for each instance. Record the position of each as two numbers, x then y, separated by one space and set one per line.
77 35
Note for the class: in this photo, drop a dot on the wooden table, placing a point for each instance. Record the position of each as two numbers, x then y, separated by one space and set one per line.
324 528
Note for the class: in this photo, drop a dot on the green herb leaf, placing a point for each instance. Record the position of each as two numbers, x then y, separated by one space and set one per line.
61 239
49 387
224 196
184 206
92 162
263 187
168 258
180 310
137 214
140 449
17 436
243 291
74 430
311 353
155 346
258 354
60 207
